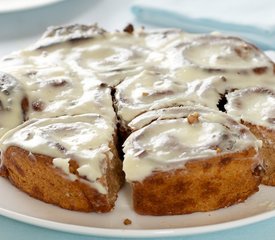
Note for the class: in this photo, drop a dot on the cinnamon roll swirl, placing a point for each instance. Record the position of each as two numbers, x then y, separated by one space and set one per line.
58 91
189 159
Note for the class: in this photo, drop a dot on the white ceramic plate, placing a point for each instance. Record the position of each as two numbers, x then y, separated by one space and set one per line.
19 5
17 205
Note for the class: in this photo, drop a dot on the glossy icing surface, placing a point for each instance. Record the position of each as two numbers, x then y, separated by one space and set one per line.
194 69
254 105
80 69
83 138
169 138
11 97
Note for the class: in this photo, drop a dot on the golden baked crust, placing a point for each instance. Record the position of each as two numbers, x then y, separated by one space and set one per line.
267 151
156 70
36 175
198 186
190 159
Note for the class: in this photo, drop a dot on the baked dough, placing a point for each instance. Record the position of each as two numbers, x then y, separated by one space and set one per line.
189 159
120 77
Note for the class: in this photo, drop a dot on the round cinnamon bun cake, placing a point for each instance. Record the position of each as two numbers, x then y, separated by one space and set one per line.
70 101
190 159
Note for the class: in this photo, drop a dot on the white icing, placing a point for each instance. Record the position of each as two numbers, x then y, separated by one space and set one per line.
198 71
149 70
111 57
170 140
83 138
11 96
59 91
145 62
63 164
254 105
224 53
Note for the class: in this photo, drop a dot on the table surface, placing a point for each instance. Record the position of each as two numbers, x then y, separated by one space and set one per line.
20 29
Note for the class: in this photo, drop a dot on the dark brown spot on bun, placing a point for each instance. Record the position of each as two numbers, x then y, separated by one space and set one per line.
25 107
60 147
225 161
260 70
224 137
243 51
243 130
159 93
259 171
238 51
129 28
223 78
38 106
58 82
103 85
77 40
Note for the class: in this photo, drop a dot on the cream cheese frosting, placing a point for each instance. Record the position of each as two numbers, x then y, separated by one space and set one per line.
253 105
166 140
12 97
83 138
198 69
58 91
76 69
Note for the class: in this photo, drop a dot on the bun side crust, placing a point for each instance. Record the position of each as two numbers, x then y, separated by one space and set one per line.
200 186
35 175
267 151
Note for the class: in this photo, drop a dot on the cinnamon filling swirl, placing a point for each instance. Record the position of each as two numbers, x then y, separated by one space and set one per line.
170 139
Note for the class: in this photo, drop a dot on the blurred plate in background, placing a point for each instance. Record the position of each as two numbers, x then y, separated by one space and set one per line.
19 5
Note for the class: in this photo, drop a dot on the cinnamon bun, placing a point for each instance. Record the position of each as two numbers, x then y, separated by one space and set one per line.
198 69
69 161
190 159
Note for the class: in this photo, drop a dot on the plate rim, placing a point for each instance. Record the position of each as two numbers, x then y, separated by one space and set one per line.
134 233
36 4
